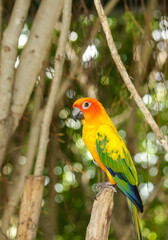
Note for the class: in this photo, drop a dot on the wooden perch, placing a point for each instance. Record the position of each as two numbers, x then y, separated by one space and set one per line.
99 225
30 207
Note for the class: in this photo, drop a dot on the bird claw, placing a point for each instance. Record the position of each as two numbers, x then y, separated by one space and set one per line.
103 185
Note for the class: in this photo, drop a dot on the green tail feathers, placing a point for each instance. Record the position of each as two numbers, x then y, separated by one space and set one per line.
135 219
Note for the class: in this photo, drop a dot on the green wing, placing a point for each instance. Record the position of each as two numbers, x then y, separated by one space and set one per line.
115 156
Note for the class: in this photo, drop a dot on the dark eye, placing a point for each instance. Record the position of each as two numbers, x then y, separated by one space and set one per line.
86 105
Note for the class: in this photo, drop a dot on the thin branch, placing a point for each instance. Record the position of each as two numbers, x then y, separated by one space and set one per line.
125 76
145 14
142 56
59 61
135 22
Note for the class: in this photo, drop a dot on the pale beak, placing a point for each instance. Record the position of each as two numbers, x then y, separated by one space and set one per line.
77 114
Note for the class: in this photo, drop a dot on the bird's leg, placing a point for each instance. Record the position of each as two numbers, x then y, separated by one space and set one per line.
103 185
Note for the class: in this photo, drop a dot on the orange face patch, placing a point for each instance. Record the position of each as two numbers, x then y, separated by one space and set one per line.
90 108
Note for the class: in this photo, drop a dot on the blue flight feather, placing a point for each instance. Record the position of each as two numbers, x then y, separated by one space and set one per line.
131 191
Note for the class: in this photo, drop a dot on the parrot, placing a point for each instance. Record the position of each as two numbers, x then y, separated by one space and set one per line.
110 153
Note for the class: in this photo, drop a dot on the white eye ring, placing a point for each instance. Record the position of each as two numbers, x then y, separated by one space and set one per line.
86 105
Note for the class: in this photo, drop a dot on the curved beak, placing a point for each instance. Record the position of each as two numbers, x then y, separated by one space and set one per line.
77 114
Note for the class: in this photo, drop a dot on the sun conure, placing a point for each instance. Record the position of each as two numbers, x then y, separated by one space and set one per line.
110 152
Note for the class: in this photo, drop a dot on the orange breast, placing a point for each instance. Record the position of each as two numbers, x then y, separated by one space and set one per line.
89 137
